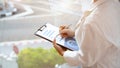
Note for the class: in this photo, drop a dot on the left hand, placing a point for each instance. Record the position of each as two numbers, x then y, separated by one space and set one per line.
59 48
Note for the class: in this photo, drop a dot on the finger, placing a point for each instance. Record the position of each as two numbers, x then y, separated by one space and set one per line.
64 35
62 27
54 42
64 31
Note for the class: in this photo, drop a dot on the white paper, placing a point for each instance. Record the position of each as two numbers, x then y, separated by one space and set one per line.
50 32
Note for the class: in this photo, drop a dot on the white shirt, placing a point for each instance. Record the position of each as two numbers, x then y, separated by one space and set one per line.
85 4
98 37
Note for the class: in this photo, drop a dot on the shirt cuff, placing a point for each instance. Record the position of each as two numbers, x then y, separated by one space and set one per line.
72 57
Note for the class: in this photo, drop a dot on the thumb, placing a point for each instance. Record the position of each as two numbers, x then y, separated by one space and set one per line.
54 42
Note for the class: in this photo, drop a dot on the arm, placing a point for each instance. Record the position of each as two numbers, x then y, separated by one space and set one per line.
59 49
93 46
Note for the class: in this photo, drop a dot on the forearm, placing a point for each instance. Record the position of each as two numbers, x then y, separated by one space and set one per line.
60 49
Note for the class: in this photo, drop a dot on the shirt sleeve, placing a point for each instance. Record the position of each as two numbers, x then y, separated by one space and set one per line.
72 57
93 47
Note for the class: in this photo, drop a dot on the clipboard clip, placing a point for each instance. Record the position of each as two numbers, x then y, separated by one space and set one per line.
42 28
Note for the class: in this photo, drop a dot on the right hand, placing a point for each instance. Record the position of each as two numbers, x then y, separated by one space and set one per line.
66 32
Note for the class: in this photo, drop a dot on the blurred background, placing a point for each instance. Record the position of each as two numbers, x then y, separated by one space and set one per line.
20 19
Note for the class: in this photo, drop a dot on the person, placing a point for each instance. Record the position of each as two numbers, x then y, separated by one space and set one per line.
14 56
98 37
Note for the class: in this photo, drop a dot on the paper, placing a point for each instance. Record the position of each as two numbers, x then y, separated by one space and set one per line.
50 32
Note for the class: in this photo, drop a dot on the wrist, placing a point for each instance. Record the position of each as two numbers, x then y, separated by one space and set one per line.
72 34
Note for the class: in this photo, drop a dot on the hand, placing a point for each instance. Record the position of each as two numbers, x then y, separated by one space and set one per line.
66 32
59 49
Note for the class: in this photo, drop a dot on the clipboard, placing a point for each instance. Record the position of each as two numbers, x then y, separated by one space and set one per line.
49 32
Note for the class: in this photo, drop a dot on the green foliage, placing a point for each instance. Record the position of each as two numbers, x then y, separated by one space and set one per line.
39 58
